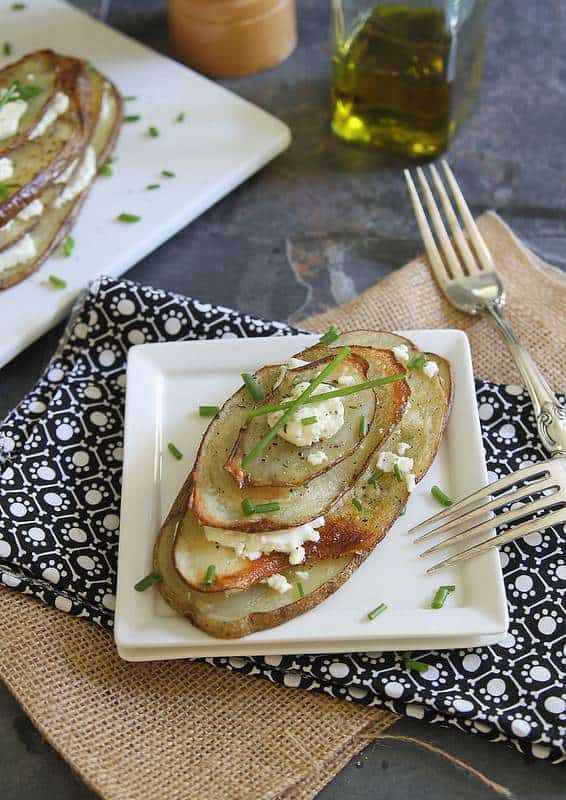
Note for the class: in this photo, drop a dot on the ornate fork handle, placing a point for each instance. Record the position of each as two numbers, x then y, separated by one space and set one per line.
550 415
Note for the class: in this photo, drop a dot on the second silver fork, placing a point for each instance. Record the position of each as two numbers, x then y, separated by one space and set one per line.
468 277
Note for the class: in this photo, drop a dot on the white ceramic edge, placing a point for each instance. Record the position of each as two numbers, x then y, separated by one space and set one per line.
492 623
157 236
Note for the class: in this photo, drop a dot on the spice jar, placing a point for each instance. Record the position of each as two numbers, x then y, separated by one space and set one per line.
231 38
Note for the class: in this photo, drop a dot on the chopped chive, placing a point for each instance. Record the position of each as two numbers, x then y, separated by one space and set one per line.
167 173
439 495
105 169
209 578
264 508
132 118
342 392
174 451
248 507
180 117
124 217
397 472
89 65
377 611
330 336
300 590
254 389
7 48
149 580
403 512
417 362
441 594
356 503
208 411
68 246
363 426
153 132
18 6
309 420
29 91
408 437
152 186
130 97
415 666
58 283
294 405
376 477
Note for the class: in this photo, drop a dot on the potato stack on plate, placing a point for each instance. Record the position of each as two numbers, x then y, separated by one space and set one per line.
298 477
59 119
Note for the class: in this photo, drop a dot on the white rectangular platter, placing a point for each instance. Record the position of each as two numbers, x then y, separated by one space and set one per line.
165 385
222 141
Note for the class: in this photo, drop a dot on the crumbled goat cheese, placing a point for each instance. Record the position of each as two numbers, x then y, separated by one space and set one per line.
430 369
317 458
279 583
401 353
58 106
329 418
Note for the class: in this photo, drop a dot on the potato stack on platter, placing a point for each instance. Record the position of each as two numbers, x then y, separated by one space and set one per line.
298 477
59 119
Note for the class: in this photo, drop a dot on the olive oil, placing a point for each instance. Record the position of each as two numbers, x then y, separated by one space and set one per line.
404 80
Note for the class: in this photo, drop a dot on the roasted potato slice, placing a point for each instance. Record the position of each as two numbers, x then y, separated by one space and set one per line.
286 464
216 499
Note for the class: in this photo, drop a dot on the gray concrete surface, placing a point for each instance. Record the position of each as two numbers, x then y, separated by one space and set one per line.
313 229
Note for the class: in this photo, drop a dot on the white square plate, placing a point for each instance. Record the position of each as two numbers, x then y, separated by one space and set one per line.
165 385
223 141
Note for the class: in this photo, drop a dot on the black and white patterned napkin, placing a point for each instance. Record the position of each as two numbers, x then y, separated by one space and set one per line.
60 462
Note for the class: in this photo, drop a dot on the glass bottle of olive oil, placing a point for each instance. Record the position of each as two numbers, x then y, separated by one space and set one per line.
405 75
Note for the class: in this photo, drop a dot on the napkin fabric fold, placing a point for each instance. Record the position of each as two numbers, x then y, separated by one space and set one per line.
60 456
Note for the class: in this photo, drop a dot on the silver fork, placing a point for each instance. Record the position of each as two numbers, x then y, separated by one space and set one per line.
469 279
465 519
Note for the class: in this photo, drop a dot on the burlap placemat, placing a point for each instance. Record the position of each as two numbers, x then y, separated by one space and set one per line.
182 729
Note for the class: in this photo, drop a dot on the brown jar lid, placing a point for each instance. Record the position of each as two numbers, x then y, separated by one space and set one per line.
230 38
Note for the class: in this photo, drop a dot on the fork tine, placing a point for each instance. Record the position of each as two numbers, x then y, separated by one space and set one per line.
513 515
540 524
484 256
430 245
439 228
492 505
450 215
535 471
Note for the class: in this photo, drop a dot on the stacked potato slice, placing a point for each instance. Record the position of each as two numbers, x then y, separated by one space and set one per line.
59 119
348 511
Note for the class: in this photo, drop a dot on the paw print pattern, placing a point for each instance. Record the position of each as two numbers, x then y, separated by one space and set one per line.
60 470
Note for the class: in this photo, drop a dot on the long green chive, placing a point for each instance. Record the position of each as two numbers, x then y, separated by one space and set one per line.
254 389
441 594
376 477
125 217
415 666
130 97
208 411
248 507
363 426
309 420
58 283
180 117
330 336
417 362
295 404
7 49
174 451
300 590
153 132
149 580
152 186
18 6
342 392
439 495
105 170
265 508
167 173
132 118
397 472
209 578
68 246
356 503
377 611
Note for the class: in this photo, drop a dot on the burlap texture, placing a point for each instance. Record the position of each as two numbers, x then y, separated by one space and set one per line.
183 730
